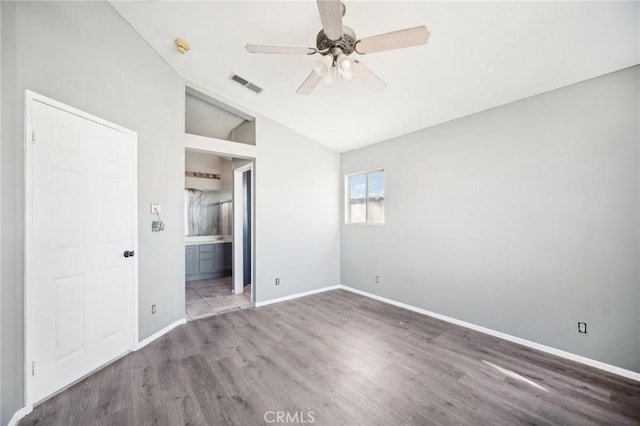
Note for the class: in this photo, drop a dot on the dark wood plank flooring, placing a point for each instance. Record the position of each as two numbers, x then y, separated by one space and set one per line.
338 358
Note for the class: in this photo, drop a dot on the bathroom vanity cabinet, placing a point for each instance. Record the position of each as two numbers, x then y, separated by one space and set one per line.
205 261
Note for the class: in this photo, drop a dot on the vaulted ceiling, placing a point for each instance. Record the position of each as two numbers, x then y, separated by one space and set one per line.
480 55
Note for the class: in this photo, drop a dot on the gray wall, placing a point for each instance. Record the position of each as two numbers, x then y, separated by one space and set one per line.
1 137
297 213
85 55
205 119
523 219
11 295
244 133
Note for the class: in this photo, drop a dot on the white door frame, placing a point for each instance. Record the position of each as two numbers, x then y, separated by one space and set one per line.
238 226
30 99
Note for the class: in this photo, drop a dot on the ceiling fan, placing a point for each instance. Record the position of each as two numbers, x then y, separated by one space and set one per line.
336 43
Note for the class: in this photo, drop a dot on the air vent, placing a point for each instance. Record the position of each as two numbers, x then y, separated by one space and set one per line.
246 83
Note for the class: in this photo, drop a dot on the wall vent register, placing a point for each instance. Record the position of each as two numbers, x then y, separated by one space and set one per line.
246 83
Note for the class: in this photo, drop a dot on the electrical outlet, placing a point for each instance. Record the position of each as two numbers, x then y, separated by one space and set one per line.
378 279
277 281
153 309
582 327
156 208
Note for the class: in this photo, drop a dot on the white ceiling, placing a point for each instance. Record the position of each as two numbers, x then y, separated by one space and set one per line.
480 55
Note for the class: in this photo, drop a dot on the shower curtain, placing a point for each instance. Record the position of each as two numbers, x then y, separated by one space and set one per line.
202 213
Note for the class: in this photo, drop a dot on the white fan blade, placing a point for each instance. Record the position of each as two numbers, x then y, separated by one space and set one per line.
309 84
331 17
394 40
361 72
275 48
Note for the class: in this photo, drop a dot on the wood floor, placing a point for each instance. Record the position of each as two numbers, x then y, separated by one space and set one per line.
338 358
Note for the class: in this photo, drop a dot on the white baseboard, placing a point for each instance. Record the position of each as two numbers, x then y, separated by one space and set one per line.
159 333
19 415
544 348
297 295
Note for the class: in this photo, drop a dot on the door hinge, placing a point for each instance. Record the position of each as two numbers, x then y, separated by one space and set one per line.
33 136
33 368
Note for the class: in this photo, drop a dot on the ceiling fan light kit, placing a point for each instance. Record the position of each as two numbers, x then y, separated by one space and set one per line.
331 69
336 42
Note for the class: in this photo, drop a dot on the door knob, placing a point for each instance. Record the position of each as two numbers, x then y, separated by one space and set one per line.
129 253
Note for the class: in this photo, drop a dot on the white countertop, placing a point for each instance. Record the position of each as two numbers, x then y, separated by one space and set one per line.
207 239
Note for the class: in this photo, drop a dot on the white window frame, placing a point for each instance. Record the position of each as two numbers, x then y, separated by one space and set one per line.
347 198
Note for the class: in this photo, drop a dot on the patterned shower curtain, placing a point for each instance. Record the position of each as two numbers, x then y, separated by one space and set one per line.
202 213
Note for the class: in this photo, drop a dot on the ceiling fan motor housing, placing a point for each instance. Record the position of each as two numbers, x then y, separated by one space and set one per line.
346 44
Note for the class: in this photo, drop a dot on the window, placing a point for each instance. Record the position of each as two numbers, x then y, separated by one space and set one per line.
365 197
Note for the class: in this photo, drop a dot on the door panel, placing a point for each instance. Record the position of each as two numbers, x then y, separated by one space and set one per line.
66 208
69 324
80 295
111 294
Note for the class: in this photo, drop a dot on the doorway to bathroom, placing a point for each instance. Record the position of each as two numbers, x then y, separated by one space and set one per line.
242 264
214 248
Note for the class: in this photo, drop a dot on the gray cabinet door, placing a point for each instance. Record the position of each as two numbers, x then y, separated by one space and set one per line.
223 253
191 266
205 259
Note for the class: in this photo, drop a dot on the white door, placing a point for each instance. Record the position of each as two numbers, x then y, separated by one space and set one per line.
80 220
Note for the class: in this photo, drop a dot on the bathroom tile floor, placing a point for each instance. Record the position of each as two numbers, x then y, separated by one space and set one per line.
211 297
